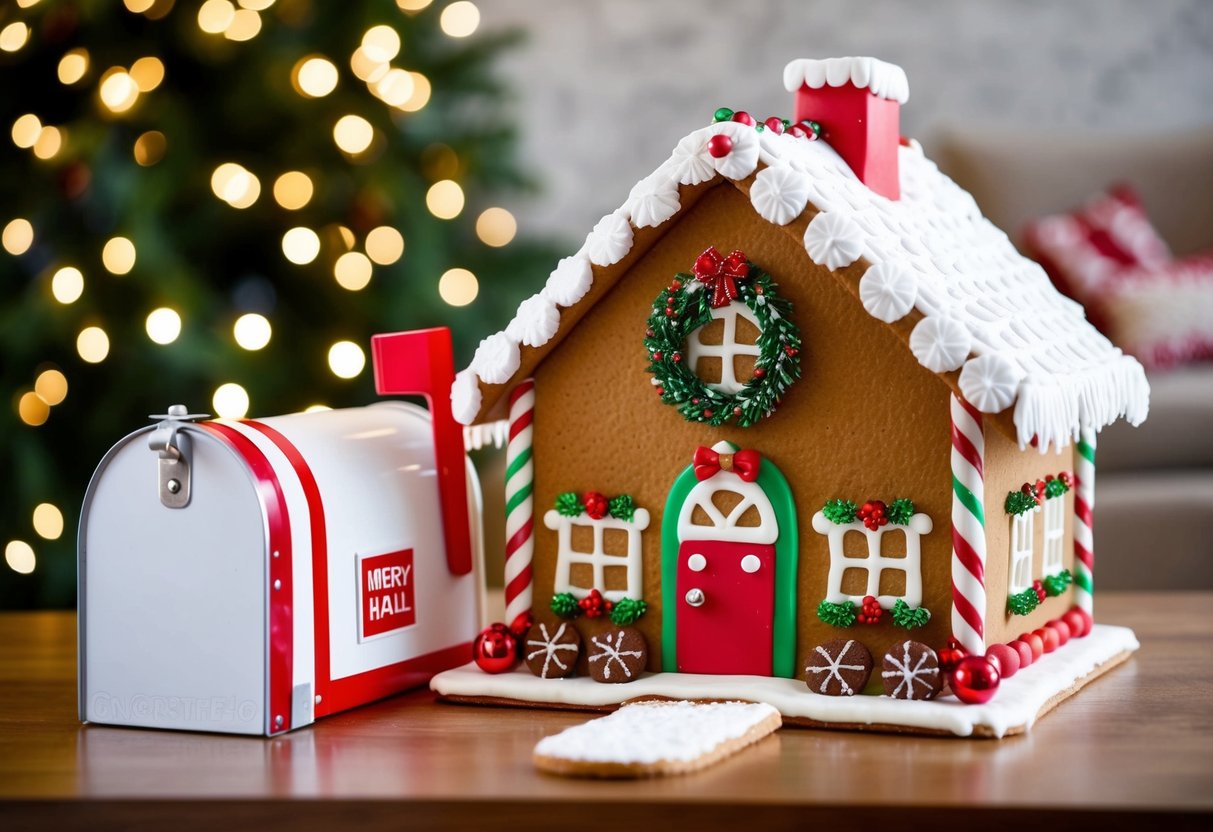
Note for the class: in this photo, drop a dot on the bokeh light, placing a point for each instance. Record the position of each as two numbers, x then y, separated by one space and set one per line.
346 359
245 25
163 325
50 142
496 227
118 90
381 43
293 190
413 5
138 6
444 199
384 245
32 409
67 285
300 245
149 148
214 16
26 130
458 287
230 401
147 73
118 255
51 386
14 36
353 134
73 66
314 76
353 271
48 521
252 331
19 556
316 408
235 185
421 93
395 88
93 344
460 19
18 236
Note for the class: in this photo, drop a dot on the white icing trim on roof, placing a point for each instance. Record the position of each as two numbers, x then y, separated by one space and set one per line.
885 80
979 296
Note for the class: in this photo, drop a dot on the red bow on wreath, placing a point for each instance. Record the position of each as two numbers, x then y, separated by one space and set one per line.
744 463
720 274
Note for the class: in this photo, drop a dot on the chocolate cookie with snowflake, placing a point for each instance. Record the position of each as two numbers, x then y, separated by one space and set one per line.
840 667
551 648
617 655
911 671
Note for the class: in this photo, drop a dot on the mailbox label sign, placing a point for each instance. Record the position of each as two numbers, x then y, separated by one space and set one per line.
385 590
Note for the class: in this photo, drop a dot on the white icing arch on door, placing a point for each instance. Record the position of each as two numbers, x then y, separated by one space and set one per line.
725 528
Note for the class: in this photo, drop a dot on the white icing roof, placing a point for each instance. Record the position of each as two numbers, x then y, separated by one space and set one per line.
885 80
988 311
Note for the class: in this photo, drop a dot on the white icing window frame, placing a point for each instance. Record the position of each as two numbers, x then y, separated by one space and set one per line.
598 559
875 563
1022 536
725 528
1055 532
727 350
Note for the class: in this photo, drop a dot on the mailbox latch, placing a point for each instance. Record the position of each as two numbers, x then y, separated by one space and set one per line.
172 448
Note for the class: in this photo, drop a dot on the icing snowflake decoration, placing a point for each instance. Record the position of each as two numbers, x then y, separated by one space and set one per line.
496 358
465 396
907 677
612 654
1027 346
535 322
550 646
834 667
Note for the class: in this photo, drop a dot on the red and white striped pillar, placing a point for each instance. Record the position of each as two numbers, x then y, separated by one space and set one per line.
1084 502
519 502
968 527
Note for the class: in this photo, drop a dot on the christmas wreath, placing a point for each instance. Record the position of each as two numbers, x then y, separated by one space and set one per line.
687 305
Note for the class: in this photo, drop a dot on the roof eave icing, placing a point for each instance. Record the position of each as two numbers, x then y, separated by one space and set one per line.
883 79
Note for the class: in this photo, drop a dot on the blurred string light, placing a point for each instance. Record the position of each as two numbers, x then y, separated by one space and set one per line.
18 236
73 66
49 143
32 409
314 76
381 43
245 25
458 287
496 227
51 387
346 359
19 556
67 285
214 16
366 68
353 134
118 255
48 521
256 5
230 401
420 96
26 130
14 36
138 6
235 185
316 408
252 331
444 199
384 245
118 90
150 147
293 190
413 5
395 88
93 344
300 245
347 237
460 19
353 271
147 73
163 325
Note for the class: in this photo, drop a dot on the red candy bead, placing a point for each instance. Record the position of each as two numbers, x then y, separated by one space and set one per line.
1034 641
975 680
1025 652
798 131
720 146
595 505
1049 638
1006 657
1087 621
742 117
521 624
1075 621
495 650
1061 628
951 656
774 124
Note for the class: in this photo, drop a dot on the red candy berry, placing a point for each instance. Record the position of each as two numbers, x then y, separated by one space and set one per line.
595 505
774 124
1036 643
1074 619
975 680
798 131
1039 588
1049 638
742 117
1006 657
1062 629
1087 621
594 605
951 656
521 624
720 145
870 612
872 513
495 650
1025 652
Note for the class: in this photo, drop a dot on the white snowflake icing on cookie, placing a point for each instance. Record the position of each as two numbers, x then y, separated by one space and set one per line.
833 240
833 670
610 240
907 676
611 653
549 646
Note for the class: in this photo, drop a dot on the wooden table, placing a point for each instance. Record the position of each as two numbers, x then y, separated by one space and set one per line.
1135 749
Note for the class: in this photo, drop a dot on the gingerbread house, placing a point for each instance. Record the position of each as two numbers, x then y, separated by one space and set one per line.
797 387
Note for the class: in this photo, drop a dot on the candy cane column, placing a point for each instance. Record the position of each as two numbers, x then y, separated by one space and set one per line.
968 528
519 505
1084 501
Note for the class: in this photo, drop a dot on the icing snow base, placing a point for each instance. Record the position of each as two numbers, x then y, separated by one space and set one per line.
1016 706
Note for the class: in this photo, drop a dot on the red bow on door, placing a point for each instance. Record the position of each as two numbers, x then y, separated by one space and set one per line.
744 463
720 274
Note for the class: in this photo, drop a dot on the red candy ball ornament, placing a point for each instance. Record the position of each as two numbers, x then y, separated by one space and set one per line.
720 146
1049 638
742 117
774 124
595 505
1034 641
1024 651
1062 629
521 624
951 656
1007 658
495 650
975 680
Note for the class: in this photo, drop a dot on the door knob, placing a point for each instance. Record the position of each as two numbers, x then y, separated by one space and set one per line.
695 597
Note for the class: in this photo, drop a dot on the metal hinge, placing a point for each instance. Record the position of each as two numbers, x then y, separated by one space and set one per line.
173 450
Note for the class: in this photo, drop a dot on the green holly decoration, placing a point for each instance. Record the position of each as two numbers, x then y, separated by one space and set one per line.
900 511
1055 487
627 610
909 617
565 605
622 507
569 504
1023 602
1018 502
837 615
1057 584
841 512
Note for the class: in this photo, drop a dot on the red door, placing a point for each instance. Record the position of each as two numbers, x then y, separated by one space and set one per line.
726 607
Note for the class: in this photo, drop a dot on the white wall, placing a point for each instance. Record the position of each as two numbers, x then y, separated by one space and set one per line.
606 88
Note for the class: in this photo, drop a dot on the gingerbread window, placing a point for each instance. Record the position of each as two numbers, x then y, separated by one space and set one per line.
1055 531
599 553
722 353
886 563
1021 551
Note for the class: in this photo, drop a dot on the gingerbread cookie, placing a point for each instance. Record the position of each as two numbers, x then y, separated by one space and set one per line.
651 739
618 655
911 671
840 667
551 649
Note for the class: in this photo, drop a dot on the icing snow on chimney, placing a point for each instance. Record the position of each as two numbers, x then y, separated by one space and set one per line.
857 102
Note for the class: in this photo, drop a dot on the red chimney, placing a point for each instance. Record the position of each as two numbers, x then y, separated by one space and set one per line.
857 102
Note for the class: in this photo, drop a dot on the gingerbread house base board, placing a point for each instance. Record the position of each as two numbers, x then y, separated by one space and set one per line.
1021 700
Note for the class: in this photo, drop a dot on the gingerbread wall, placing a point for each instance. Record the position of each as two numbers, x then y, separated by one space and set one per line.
866 421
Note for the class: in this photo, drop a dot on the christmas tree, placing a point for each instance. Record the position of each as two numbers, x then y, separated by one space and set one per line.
218 204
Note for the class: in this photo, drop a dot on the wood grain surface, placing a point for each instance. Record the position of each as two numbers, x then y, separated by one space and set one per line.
1133 750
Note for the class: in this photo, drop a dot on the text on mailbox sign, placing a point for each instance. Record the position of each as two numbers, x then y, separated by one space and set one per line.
385 584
